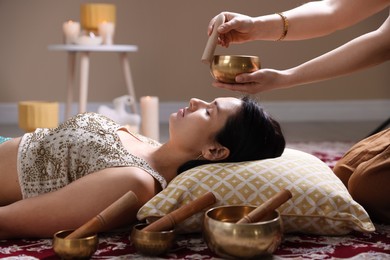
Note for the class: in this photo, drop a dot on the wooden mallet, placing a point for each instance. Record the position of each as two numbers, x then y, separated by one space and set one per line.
170 220
107 216
267 207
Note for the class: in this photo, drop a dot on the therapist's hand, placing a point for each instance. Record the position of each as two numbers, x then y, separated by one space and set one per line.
256 82
237 28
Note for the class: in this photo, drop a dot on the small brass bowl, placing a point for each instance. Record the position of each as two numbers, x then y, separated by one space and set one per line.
225 68
251 240
81 248
151 243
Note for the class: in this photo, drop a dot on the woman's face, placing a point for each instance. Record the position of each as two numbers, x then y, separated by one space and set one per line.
196 125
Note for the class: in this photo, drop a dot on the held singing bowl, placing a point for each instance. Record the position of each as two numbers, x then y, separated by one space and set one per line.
225 68
248 240
79 248
151 243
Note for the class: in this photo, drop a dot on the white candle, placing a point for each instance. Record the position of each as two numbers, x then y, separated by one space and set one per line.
106 30
89 40
71 31
149 117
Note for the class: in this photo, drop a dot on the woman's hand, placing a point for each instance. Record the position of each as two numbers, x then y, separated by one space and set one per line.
237 28
256 82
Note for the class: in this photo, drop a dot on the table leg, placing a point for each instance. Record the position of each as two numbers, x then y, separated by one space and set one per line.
71 78
84 72
128 80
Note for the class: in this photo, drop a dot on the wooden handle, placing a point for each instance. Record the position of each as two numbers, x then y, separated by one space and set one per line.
107 216
267 207
211 44
175 217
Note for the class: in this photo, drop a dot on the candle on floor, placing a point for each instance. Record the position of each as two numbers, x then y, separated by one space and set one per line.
106 31
71 31
37 114
150 117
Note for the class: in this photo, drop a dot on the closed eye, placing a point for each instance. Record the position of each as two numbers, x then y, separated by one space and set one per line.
213 105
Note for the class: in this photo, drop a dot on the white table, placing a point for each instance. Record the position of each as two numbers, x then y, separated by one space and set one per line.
84 51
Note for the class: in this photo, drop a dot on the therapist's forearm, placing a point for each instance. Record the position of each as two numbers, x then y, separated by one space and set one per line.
317 18
363 52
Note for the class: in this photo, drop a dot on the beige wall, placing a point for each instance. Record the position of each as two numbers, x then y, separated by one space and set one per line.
171 36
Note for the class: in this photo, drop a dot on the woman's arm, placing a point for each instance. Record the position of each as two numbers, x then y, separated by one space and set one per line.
76 203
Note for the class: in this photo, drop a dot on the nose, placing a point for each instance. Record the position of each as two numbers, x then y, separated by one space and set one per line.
196 103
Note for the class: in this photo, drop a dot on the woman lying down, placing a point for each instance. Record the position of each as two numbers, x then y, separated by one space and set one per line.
56 179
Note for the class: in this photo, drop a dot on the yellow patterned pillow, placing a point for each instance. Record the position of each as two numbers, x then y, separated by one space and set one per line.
320 204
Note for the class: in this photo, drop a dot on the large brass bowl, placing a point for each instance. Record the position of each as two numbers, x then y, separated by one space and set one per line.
151 243
230 240
225 68
81 248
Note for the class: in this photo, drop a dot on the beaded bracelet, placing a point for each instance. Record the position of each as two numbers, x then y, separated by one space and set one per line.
285 26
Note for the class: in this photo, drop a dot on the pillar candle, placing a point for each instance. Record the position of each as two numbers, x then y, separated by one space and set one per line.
71 31
92 14
106 31
149 117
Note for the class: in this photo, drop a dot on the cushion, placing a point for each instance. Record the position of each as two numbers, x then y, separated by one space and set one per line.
320 204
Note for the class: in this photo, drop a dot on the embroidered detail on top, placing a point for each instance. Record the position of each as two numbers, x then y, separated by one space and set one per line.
49 159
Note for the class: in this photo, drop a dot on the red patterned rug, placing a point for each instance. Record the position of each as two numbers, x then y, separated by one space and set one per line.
117 245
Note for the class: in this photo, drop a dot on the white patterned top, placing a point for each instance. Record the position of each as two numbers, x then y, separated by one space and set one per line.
49 159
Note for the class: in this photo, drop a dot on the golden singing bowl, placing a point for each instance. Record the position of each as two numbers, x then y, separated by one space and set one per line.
250 240
151 243
225 68
80 248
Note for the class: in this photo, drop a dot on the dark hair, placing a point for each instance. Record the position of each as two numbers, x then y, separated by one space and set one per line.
250 134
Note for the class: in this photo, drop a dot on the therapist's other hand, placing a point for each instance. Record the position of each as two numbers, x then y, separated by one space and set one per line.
256 82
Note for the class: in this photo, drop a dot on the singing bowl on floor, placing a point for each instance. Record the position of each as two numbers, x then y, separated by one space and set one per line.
250 240
79 248
225 68
151 243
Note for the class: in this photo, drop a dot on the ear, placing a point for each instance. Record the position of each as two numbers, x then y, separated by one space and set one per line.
215 152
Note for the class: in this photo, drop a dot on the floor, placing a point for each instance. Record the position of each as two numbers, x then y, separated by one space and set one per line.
294 131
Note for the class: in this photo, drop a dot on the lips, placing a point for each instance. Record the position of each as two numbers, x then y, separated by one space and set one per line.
182 112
